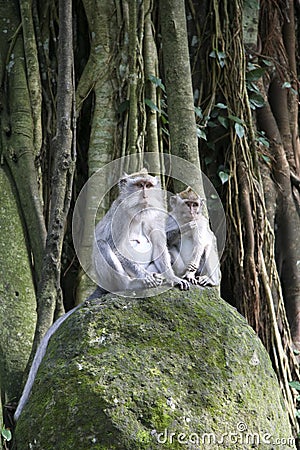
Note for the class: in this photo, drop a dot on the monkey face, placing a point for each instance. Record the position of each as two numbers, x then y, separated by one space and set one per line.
144 186
140 192
193 206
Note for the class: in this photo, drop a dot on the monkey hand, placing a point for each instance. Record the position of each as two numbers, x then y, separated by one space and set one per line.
188 226
181 283
153 280
190 277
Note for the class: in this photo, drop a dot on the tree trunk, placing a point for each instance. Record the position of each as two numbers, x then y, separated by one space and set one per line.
181 112
49 292
17 295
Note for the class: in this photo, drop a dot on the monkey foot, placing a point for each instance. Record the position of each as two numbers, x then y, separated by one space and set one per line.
204 281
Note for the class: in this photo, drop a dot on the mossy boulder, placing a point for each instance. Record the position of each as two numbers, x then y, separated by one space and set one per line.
179 370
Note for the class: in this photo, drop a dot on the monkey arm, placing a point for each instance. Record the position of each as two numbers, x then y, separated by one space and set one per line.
209 273
162 259
122 268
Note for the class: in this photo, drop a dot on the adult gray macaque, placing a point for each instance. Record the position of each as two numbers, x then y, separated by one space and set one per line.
130 250
192 244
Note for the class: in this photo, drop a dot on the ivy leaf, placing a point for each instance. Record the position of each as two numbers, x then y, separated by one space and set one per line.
220 56
201 134
236 119
286 85
251 86
124 106
295 385
267 62
151 105
264 141
6 434
256 74
209 159
221 106
198 112
256 100
223 121
224 176
239 129
157 82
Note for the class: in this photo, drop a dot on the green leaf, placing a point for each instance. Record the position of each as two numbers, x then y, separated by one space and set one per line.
198 112
236 119
221 56
201 134
211 124
239 129
264 141
297 413
124 106
221 106
266 158
267 62
256 100
6 434
286 85
151 105
295 385
208 159
223 121
256 74
224 176
157 82
251 86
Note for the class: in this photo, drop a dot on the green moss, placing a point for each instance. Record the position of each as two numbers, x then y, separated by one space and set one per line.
17 296
124 374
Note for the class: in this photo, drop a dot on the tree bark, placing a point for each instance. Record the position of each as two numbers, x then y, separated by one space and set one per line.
49 291
181 112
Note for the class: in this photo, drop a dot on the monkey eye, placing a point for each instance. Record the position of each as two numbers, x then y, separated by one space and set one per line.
139 184
149 185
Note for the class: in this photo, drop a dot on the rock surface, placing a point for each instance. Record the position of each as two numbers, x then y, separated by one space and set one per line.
178 370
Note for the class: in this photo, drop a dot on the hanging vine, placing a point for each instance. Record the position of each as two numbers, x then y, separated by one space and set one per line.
232 152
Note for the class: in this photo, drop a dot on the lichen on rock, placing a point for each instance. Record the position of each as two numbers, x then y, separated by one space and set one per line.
178 370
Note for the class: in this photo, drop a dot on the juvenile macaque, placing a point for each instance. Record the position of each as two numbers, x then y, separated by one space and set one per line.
131 248
192 244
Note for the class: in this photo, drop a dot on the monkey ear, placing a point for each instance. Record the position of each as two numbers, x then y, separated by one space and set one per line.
123 180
